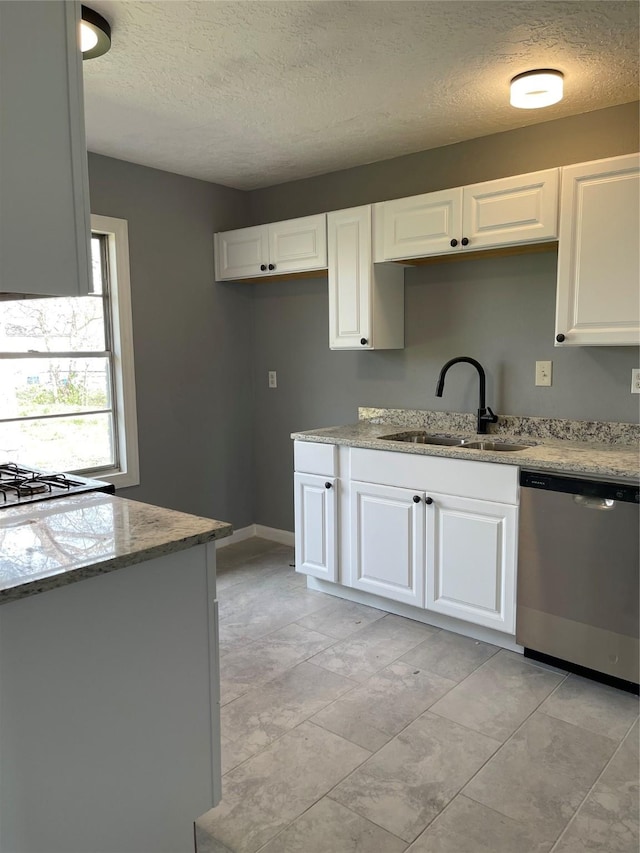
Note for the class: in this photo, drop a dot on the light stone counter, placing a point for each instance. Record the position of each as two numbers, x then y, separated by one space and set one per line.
51 543
594 449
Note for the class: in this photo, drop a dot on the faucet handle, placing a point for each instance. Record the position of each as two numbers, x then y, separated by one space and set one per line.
490 416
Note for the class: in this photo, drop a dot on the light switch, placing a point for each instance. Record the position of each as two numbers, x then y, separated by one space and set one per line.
543 372
273 379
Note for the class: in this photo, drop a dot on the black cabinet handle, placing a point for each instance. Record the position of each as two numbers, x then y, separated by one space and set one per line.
327 485
465 241
263 267
454 243
272 266
560 338
416 499
428 500
364 341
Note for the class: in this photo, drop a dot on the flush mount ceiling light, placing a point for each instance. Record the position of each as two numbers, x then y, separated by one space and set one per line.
95 34
534 89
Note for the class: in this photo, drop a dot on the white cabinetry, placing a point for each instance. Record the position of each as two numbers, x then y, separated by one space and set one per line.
366 301
505 212
280 248
316 509
44 185
471 560
315 525
387 542
427 531
598 296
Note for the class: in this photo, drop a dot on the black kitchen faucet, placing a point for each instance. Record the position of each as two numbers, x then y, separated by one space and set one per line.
485 415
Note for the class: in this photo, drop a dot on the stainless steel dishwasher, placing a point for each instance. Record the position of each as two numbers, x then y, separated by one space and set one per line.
578 566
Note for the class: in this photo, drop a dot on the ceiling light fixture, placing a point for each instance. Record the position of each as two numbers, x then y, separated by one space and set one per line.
534 89
95 34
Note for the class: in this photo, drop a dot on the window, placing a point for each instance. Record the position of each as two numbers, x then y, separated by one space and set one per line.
66 372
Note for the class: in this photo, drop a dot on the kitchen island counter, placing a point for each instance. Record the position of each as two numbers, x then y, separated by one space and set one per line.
580 448
51 543
109 676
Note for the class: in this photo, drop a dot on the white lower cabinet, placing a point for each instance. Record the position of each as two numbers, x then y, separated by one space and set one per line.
387 542
435 533
316 527
471 560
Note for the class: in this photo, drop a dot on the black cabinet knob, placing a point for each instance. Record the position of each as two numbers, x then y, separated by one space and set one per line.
428 500
465 241
272 266
454 243
416 499
560 338
364 341
327 485
263 267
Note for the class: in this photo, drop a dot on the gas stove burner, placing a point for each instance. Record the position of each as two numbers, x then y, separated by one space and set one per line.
19 485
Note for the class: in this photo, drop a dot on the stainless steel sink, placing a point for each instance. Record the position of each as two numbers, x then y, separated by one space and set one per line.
495 446
421 437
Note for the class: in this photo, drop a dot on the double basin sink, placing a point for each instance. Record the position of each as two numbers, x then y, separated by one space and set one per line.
421 437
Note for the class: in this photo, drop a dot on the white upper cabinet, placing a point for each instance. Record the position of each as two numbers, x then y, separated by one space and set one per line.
422 225
366 301
598 296
511 211
280 248
44 184
505 212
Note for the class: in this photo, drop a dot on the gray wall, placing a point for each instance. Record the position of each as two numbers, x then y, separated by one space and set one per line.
499 310
192 340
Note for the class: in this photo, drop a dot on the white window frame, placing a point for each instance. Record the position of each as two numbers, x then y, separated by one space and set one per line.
117 232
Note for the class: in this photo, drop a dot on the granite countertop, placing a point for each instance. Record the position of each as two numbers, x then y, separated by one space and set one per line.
52 543
583 448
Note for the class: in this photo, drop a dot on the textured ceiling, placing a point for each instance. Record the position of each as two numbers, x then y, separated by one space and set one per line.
250 94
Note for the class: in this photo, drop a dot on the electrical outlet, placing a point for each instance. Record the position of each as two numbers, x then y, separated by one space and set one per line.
543 372
273 379
635 380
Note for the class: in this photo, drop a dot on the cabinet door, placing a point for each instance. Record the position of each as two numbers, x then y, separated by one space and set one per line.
349 244
298 244
598 301
422 225
315 520
471 561
44 184
511 211
387 544
241 253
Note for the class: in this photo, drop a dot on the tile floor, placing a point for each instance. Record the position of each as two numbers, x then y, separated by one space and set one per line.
349 730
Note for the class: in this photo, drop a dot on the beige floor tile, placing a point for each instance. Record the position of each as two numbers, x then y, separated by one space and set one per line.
411 779
608 820
264 659
469 827
373 713
499 696
254 720
374 647
450 655
542 774
601 709
329 827
266 793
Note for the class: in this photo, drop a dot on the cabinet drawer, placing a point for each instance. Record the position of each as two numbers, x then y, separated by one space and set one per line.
469 479
314 458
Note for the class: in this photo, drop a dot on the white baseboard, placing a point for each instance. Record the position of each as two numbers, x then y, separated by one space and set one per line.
284 537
